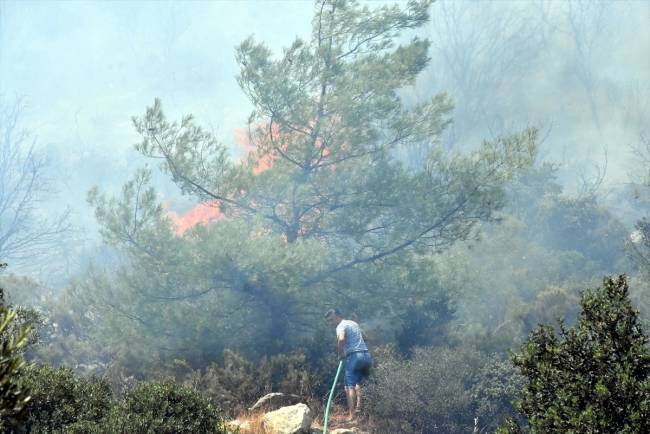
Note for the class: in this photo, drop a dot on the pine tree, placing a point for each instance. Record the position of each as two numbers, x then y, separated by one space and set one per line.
321 211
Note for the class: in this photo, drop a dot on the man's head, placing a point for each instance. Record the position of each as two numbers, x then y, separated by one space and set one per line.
333 317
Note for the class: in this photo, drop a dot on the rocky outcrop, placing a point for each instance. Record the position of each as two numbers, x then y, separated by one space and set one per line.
295 419
273 401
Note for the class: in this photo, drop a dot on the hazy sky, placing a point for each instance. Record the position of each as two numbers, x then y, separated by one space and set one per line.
87 67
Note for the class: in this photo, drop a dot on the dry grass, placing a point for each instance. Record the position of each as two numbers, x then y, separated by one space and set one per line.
338 417
254 420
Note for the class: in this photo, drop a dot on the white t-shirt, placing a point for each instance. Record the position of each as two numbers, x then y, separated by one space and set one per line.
353 339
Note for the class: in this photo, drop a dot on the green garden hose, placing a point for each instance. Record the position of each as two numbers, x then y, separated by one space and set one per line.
329 401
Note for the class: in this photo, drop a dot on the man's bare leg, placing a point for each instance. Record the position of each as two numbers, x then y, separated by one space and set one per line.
357 389
352 400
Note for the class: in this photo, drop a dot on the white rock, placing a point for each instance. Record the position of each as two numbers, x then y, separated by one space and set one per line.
273 401
295 419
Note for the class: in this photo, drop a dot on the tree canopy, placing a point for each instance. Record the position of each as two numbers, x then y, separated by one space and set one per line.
320 212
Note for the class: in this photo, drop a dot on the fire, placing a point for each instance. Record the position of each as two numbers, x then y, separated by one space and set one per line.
263 162
201 213
210 213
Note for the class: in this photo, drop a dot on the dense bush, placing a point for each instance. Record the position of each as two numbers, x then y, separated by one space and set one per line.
163 407
61 402
19 331
13 396
594 377
439 390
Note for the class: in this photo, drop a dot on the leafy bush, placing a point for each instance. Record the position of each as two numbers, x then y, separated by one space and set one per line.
164 407
60 400
19 330
13 396
63 403
594 377
439 390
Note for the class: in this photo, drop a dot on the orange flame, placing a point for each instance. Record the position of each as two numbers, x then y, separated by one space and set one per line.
201 213
210 213
263 162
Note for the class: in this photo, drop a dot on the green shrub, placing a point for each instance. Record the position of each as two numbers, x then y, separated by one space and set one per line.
164 407
19 330
592 378
13 395
439 390
63 403
59 400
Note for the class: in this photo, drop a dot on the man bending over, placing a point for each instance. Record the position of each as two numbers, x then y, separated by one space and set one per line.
352 346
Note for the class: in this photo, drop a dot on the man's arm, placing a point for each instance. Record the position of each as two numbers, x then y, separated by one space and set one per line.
364 336
341 338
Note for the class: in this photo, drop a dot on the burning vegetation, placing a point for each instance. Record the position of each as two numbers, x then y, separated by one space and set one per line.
448 261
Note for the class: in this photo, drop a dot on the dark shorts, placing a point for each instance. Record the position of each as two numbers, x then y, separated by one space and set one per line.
357 368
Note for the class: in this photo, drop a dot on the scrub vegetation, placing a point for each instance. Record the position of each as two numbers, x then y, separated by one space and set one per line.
352 194
594 376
